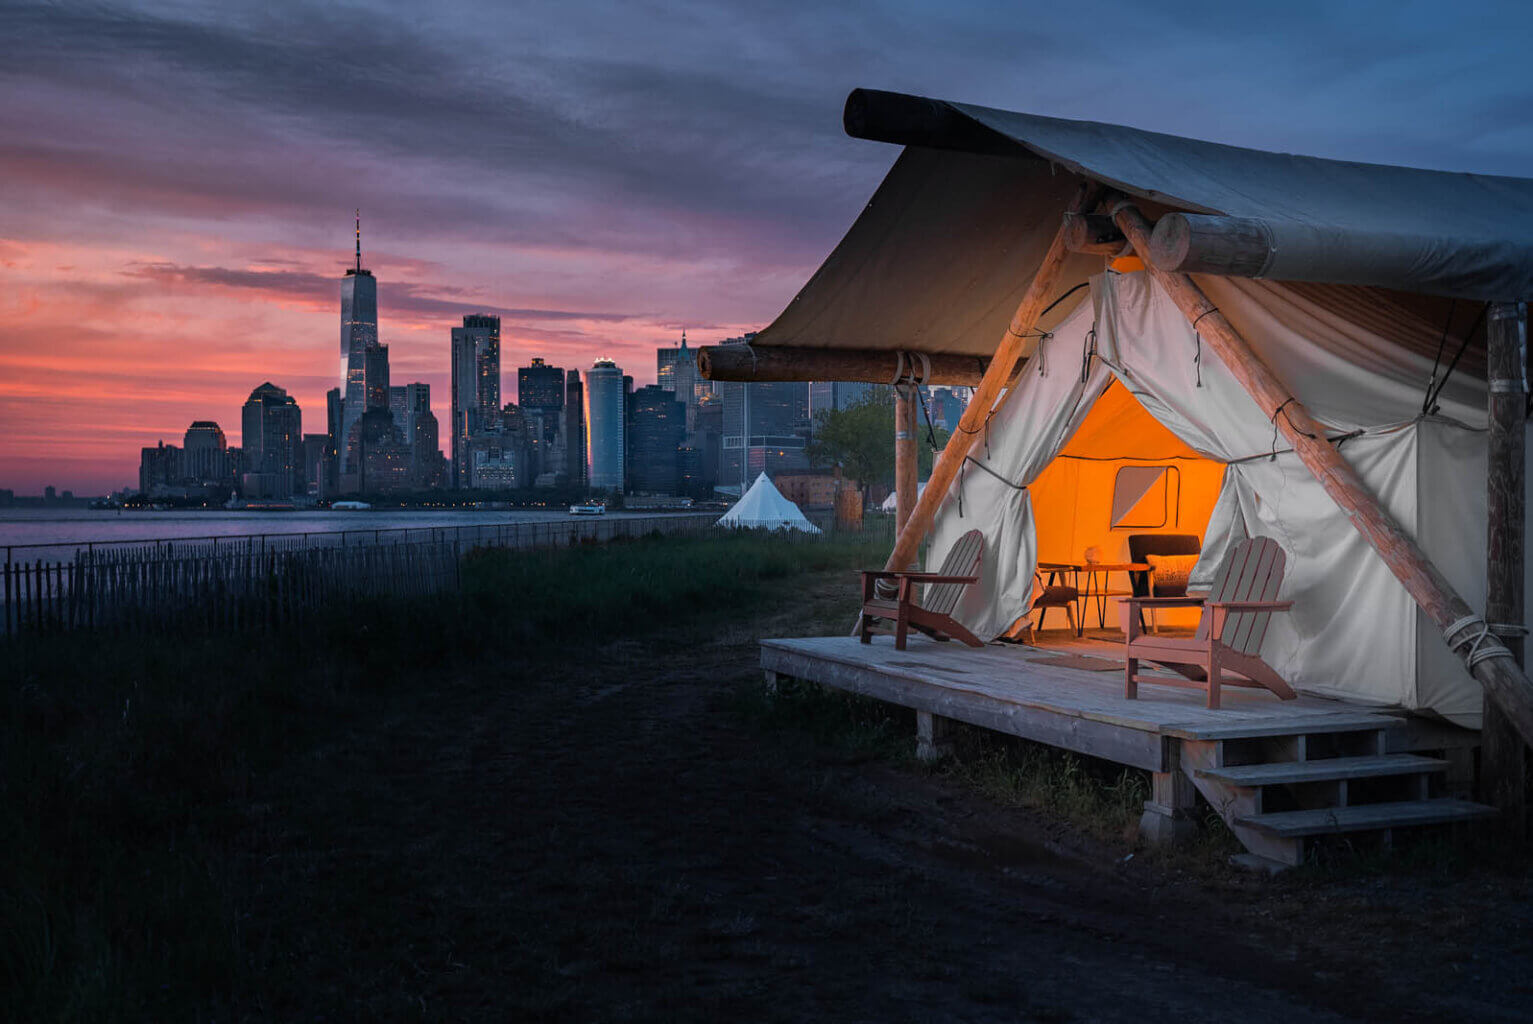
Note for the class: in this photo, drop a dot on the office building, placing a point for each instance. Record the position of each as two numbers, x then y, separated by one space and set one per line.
359 332
475 387
606 440
540 386
765 428
658 429
271 435
159 469
825 396
574 431
205 455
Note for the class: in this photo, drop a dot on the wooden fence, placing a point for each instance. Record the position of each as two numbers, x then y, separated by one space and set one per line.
234 582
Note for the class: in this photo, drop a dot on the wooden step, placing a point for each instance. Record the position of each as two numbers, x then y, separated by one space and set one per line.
1364 817
1287 773
1297 724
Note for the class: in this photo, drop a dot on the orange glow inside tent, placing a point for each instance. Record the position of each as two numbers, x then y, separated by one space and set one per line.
1123 473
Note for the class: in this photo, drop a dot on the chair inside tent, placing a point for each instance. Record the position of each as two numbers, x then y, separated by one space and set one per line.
1122 475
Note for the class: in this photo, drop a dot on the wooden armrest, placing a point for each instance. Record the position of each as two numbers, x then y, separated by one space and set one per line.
917 577
1252 606
1164 602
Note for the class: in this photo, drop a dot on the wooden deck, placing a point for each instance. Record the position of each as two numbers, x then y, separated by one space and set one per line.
1280 773
1002 687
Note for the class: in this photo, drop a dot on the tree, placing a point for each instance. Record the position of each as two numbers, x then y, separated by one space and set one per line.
860 439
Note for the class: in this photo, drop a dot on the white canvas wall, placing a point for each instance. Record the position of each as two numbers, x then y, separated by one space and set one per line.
1354 632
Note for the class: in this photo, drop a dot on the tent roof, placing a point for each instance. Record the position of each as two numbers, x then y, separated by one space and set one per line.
1446 233
940 257
764 506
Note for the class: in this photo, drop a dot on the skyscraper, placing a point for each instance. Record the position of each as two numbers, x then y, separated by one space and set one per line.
205 454
475 387
540 394
540 386
359 330
606 440
676 370
575 430
659 426
375 377
271 434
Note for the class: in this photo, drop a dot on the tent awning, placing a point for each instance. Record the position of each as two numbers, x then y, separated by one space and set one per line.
941 255
1438 232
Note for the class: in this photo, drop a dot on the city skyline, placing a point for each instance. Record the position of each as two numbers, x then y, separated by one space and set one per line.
181 181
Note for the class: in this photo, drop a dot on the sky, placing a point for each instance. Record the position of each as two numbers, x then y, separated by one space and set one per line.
178 180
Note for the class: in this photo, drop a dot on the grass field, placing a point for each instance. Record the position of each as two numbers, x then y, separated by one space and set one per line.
137 779
562 795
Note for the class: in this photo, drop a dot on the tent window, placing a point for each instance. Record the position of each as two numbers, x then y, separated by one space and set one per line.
1146 498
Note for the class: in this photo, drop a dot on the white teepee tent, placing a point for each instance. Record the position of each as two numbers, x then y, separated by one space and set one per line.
764 508
889 503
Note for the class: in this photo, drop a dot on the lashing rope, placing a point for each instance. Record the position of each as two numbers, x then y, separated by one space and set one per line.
1476 633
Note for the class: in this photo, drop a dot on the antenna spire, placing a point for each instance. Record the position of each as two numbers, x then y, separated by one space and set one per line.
359 241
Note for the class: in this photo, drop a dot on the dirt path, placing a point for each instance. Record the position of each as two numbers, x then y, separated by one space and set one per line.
609 840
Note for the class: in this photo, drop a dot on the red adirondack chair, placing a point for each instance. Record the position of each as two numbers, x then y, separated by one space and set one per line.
933 613
1230 633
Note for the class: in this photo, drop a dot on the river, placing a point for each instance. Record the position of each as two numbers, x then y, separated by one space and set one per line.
62 530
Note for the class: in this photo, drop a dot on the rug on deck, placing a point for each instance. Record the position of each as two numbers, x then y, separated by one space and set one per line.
1080 661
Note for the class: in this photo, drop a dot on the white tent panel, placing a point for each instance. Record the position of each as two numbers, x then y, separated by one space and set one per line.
1354 632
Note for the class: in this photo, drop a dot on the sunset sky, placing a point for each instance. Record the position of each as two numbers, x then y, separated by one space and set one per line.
179 178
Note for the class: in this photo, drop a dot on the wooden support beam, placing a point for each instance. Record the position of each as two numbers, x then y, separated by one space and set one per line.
906 472
1503 680
1008 355
1503 756
878 366
1095 234
1195 244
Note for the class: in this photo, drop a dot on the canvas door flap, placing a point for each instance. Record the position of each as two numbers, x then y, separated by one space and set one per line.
1028 429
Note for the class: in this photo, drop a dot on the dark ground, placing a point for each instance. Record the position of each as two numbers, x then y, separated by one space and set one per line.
632 838
634 833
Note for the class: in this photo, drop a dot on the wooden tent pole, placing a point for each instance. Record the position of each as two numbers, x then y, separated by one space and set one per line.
906 474
1502 753
971 426
1502 678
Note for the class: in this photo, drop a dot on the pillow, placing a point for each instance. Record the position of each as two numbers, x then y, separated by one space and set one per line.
1169 574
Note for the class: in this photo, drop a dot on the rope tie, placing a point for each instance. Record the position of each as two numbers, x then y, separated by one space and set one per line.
960 487
1473 631
1197 340
931 431
1088 353
1038 354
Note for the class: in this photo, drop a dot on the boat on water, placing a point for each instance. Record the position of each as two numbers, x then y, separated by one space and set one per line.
593 508
349 506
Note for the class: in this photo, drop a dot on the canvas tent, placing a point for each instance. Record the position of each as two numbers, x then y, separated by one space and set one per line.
764 508
1352 283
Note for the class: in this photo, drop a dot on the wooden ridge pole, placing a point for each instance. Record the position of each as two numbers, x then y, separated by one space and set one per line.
778 362
971 426
1501 676
1503 769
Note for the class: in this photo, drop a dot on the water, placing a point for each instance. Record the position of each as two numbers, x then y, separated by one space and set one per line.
64 530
